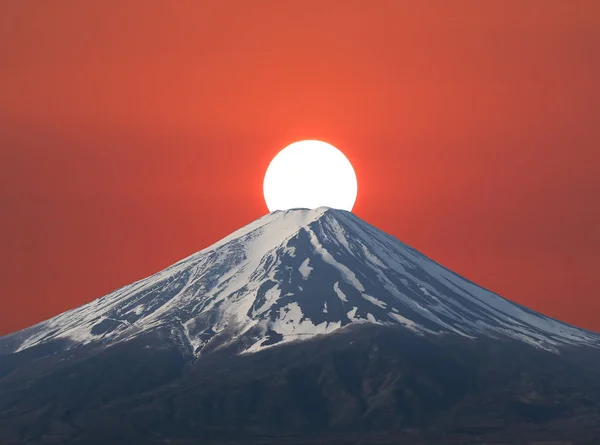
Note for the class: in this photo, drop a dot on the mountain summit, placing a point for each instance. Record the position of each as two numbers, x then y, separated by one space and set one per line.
291 275
305 326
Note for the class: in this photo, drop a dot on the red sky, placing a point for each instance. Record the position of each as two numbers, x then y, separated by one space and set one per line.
135 133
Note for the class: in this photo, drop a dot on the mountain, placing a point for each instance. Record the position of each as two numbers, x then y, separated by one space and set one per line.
302 325
293 275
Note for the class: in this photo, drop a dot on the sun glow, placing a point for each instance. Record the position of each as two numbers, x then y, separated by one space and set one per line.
310 174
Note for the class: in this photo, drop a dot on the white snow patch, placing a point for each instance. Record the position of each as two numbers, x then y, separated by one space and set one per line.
136 310
305 269
372 258
374 301
291 322
340 234
271 296
404 321
352 315
341 295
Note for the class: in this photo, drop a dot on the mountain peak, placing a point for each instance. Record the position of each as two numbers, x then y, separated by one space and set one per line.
294 274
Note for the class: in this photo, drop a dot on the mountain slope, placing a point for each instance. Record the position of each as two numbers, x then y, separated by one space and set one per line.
359 385
292 275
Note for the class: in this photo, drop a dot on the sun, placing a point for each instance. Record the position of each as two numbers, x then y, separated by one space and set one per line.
310 174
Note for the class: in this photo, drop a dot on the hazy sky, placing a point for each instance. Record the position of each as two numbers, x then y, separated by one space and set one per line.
134 133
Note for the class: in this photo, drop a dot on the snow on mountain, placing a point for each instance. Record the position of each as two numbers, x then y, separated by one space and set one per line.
292 275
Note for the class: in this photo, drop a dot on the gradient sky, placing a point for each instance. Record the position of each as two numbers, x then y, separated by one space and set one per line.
134 133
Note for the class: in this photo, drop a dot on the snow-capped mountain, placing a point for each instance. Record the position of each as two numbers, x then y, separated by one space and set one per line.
291 275
303 324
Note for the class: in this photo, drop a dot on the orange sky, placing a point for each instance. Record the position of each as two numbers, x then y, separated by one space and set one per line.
135 133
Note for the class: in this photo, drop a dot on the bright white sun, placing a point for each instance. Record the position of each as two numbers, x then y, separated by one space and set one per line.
310 174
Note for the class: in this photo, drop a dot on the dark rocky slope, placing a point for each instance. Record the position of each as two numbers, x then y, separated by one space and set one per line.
364 384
